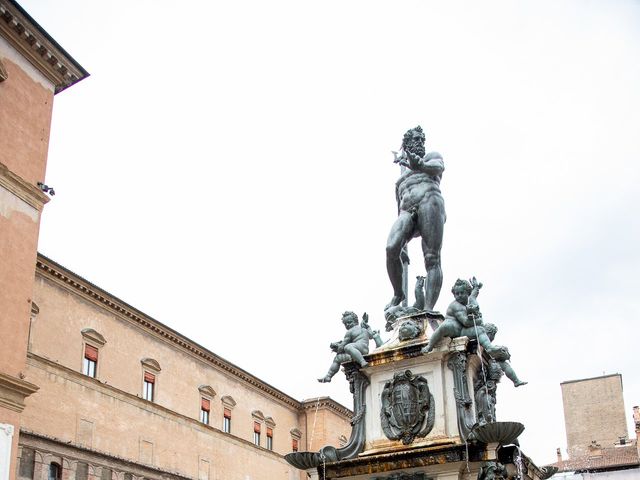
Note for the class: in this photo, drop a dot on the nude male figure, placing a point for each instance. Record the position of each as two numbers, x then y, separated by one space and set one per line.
420 214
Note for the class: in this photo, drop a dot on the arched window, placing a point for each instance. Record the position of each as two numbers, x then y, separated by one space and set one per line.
55 471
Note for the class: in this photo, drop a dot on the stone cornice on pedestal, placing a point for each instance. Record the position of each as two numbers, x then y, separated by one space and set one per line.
37 46
406 459
13 391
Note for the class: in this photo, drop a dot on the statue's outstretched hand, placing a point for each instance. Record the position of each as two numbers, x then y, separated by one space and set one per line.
475 284
414 160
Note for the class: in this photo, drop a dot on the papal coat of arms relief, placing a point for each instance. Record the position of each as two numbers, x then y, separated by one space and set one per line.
408 409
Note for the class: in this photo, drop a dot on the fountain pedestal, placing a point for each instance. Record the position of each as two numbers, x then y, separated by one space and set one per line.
415 417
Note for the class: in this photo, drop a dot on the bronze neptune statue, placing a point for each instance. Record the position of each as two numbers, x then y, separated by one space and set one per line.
420 214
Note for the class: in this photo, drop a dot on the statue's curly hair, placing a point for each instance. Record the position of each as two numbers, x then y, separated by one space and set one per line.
491 330
409 134
350 314
462 283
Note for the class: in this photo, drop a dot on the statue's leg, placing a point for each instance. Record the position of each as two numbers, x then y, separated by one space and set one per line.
483 339
450 328
355 354
431 219
511 374
399 236
333 369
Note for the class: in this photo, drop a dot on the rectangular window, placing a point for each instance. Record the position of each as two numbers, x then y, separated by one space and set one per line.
90 361
205 408
269 439
147 388
294 445
256 433
226 421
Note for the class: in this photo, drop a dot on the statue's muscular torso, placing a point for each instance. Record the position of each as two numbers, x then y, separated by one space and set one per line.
414 186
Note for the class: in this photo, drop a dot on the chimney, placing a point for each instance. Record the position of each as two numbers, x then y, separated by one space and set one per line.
559 455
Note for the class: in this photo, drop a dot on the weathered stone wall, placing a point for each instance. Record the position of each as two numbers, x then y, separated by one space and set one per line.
593 411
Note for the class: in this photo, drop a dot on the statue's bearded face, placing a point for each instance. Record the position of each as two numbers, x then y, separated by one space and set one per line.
414 141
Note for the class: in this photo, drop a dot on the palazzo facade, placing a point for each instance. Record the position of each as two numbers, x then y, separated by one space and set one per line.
90 387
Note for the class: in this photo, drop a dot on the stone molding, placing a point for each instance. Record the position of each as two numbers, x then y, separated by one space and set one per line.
93 337
207 390
257 415
151 364
327 403
228 401
28 193
37 46
13 391
79 286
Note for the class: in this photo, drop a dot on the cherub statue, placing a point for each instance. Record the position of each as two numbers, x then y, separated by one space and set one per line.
463 317
502 356
354 345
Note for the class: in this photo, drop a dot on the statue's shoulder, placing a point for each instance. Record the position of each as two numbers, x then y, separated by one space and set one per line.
455 307
432 155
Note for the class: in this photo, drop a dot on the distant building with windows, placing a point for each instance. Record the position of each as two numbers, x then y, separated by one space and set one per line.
123 397
598 443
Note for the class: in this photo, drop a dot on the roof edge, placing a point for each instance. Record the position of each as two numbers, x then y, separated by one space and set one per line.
37 46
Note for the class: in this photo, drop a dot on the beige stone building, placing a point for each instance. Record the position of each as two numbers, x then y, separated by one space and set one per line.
90 387
124 397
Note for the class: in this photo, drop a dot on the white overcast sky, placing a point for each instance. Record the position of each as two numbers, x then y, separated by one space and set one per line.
227 170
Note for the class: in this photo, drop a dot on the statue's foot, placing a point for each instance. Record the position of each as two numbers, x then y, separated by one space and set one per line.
426 349
395 301
519 383
364 364
325 379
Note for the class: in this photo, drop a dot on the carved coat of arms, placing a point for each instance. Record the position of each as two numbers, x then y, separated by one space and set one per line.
407 408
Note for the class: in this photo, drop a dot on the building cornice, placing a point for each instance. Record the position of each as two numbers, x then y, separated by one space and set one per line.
25 191
327 403
13 391
52 270
37 46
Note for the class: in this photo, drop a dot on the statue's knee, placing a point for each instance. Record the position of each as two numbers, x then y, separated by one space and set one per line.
432 259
